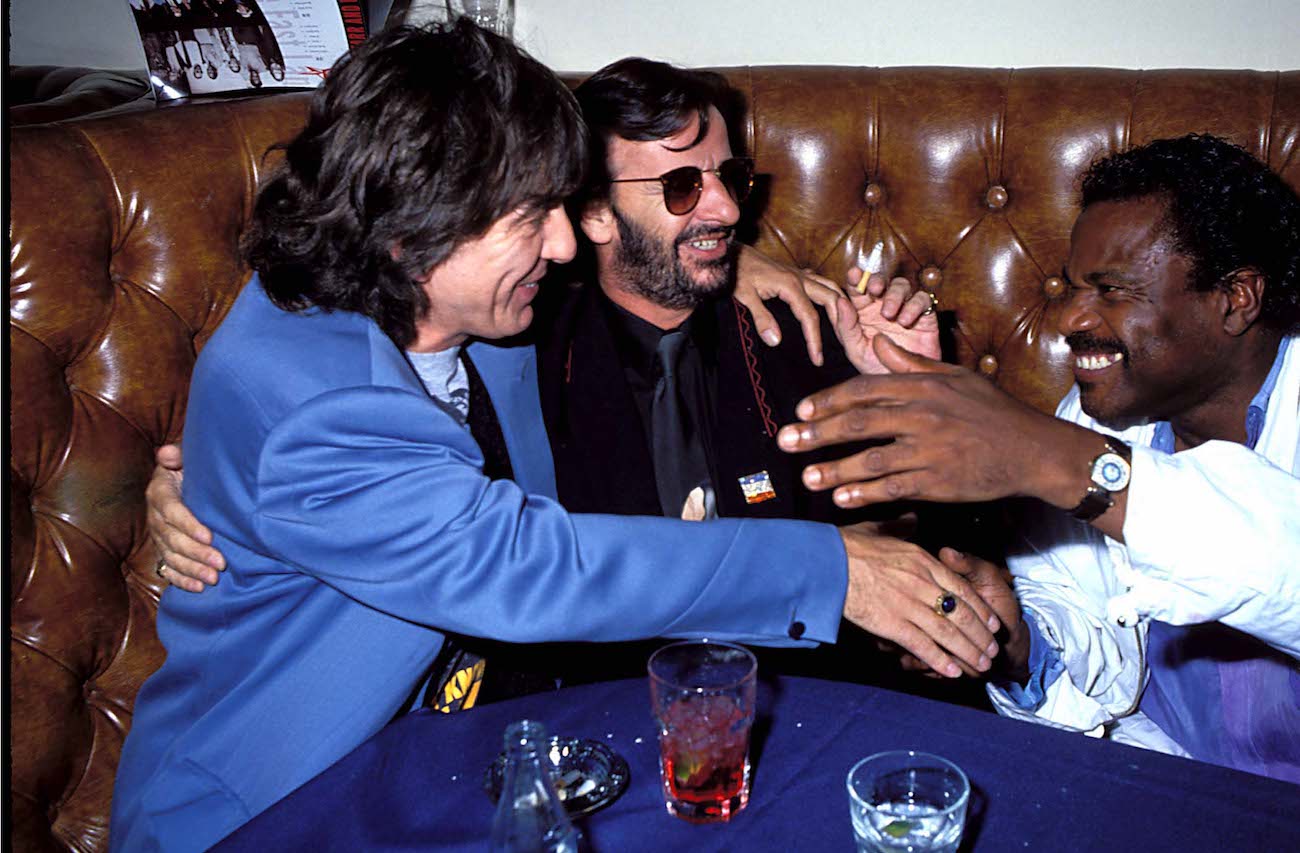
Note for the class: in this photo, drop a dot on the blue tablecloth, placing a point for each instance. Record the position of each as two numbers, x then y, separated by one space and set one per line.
418 784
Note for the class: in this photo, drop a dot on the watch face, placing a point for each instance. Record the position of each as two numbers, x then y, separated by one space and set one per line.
1110 471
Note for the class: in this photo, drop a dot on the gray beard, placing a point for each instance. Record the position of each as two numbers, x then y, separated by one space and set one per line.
654 271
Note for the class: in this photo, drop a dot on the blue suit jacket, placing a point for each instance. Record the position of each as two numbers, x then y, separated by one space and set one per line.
357 524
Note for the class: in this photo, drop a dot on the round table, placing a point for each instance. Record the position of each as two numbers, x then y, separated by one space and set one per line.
418 784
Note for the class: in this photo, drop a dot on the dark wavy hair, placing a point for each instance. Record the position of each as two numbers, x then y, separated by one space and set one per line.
640 100
1225 210
417 141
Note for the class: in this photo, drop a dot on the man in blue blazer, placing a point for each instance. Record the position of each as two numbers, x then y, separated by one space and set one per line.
596 327
329 450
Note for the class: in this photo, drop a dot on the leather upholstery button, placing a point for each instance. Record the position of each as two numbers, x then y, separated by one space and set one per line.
796 630
873 195
931 278
988 364
996 198
1054 287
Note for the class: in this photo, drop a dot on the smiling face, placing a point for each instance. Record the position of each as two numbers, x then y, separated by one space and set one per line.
1145 346
485 288
671 261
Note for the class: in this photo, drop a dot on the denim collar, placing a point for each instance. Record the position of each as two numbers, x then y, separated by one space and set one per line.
1163 440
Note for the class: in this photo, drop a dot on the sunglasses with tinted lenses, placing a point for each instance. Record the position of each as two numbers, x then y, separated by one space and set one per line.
683 187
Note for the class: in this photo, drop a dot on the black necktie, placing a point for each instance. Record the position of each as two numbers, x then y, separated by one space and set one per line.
485 428
675 445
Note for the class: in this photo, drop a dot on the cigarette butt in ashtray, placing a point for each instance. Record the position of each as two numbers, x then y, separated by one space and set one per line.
871 265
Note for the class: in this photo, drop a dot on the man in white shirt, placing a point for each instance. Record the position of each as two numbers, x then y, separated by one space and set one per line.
1166 612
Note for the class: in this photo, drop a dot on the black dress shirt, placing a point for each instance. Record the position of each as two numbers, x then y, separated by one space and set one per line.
636 342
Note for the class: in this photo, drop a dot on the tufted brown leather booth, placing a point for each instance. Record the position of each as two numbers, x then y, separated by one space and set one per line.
123 260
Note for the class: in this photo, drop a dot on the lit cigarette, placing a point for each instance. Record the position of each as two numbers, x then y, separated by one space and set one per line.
871 265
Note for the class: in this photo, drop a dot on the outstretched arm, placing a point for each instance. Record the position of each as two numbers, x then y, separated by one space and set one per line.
956 438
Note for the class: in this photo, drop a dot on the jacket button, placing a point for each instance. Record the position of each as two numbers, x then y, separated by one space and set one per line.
796 630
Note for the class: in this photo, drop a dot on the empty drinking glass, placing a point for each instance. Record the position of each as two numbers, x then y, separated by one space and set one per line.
907 801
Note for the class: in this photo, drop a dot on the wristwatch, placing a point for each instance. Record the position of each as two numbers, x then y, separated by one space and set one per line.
1109 473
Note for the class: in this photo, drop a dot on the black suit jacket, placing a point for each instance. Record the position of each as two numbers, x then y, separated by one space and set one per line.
602 454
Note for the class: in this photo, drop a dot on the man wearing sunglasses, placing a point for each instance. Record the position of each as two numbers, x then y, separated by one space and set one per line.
660 208
659 397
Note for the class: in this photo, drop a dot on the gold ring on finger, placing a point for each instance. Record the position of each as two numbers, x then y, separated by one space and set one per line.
934 303
945 604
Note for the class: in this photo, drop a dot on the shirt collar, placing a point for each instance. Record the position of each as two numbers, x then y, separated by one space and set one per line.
1258 407
1163 440
636 340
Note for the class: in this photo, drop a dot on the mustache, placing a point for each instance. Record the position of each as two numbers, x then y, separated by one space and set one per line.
1082 342
695 232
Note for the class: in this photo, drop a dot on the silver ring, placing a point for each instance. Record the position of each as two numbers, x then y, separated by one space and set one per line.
158 569
945 604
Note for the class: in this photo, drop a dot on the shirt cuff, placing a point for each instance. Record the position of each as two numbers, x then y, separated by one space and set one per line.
1045 666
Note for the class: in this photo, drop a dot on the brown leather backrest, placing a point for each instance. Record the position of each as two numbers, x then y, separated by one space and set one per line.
123 260
970 179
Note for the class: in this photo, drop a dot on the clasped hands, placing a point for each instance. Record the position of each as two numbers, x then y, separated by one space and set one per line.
952 436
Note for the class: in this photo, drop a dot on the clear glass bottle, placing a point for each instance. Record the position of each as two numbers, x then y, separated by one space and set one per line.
530 817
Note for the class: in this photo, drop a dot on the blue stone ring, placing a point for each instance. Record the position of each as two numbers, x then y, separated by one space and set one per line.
945 604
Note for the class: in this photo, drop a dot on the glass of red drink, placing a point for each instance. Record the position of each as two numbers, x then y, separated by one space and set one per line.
702 697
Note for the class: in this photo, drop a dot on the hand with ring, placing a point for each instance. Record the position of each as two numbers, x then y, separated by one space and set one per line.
897 591
897 310
993 586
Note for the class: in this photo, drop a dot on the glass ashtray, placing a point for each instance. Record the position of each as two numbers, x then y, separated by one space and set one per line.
588 774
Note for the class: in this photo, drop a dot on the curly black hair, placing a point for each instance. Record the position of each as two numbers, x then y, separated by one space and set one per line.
417 141
1225 210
